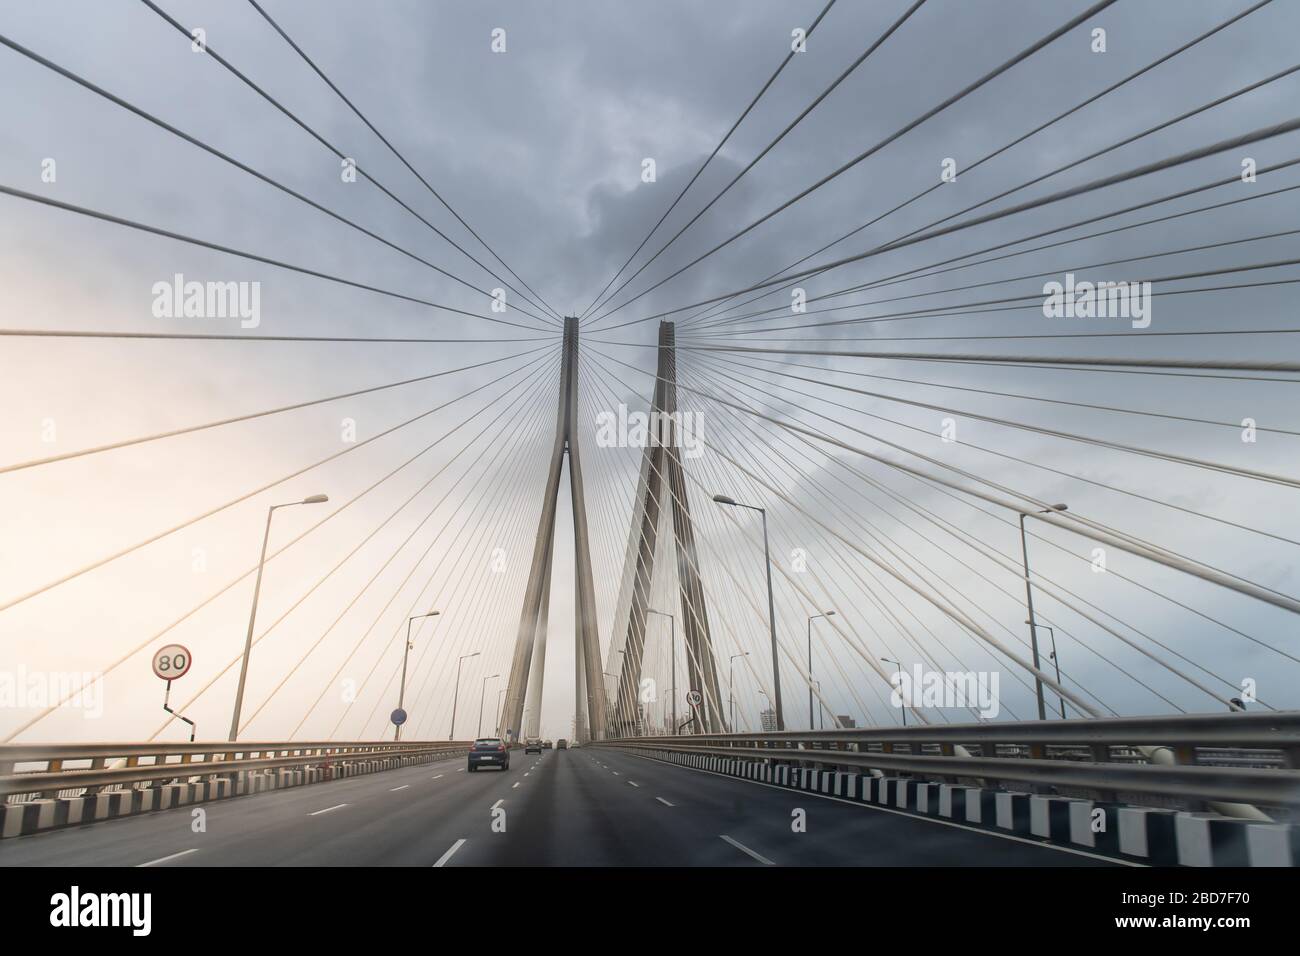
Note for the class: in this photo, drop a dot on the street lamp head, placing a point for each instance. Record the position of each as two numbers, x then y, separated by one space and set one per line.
1059 507
830 614
316 500
724 500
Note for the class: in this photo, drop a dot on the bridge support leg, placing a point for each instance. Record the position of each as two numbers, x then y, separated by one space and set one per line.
587 649
662 461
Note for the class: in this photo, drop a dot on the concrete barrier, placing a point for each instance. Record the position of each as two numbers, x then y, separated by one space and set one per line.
20 819
1049 817
1012 811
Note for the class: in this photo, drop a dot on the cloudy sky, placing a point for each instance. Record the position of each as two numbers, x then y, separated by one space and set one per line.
541 149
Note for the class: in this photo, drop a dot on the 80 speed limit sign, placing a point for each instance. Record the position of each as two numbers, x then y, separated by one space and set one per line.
171 662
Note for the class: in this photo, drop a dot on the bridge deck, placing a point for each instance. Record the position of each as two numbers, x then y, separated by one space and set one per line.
577 807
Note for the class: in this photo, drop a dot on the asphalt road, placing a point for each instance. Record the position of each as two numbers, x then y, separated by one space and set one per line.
585 807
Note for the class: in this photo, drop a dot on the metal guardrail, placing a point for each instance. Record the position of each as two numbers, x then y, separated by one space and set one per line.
27 769
1088 754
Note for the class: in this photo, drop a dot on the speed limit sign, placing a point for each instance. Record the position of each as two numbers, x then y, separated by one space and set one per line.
694 698
171 662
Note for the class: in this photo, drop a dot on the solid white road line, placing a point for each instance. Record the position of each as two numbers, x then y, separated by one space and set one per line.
402 787
164 859
744 849
442 860
316 813
665 802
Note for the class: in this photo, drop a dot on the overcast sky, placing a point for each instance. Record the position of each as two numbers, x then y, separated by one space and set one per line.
541 149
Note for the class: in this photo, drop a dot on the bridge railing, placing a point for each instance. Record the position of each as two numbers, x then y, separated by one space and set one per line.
31 770
1193 758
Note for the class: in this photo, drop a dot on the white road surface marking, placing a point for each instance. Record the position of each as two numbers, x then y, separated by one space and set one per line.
516 786
498 803
442 860
634 783
665 802
316 813
402 787
164 859
744 849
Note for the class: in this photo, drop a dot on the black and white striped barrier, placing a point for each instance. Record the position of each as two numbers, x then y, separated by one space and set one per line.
19 819
1149 835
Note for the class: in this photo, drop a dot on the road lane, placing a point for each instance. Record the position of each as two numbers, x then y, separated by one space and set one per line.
584 807
836 832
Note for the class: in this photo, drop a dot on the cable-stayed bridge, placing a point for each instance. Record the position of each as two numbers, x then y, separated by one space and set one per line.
878 504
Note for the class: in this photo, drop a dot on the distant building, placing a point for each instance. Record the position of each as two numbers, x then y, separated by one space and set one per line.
846 721
768 718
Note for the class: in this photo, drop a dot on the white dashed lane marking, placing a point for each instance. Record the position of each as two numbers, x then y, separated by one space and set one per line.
665 802
316 813
442 860
746 850
164 859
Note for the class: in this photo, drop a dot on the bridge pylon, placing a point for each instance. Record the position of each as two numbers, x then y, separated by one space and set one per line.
662 498
531 637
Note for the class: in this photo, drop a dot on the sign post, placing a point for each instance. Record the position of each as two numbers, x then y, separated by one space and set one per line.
695 698
169 663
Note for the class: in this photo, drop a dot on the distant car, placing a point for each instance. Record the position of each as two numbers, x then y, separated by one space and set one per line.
532 746
489 752
548 745
561 744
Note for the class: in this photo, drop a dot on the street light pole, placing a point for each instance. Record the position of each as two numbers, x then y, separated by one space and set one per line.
771 608
731 685
252 614
1029 601
902 709
810 669
456 693
672 644
1055 660
481 694
401 694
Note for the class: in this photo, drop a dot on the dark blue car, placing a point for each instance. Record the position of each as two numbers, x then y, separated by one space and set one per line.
489 752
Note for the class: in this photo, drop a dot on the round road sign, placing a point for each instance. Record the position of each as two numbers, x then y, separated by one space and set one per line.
172 661
398 717
694 698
